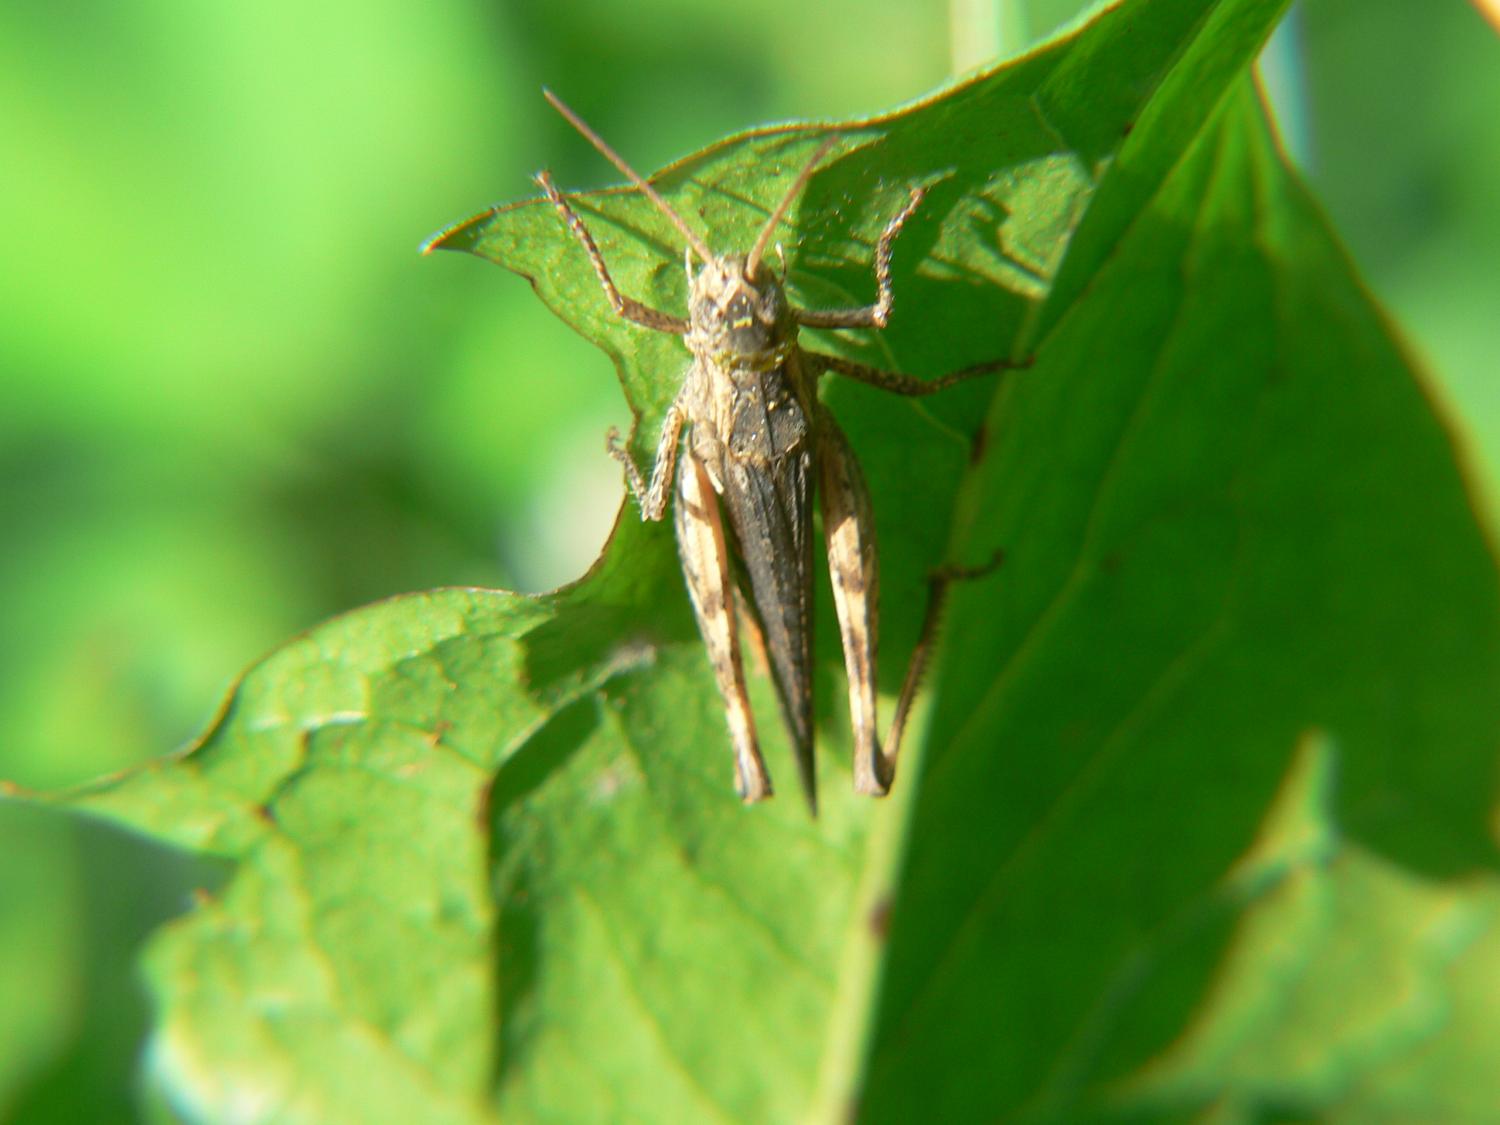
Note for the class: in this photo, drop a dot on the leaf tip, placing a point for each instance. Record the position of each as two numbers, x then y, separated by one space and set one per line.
461 235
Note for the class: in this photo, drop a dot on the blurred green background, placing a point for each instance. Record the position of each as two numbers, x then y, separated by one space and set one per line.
235 400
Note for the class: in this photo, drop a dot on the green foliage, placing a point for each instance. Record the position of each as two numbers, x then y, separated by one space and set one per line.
1204 760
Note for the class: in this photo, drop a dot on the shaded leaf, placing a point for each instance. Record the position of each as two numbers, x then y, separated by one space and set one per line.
1353 987
1230 516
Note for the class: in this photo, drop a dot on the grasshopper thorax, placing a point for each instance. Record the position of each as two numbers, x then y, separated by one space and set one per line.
739 319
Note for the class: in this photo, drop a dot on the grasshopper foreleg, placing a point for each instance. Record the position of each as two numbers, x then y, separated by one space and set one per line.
628 307
876 315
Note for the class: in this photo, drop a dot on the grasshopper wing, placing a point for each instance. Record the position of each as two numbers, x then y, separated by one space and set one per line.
767 488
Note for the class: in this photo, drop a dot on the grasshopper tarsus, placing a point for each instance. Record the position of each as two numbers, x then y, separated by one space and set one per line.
974 370
638 486
943 576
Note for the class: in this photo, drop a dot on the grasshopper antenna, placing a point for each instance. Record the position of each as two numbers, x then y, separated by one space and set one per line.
631 174
752 263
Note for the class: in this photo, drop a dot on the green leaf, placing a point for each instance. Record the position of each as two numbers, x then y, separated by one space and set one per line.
1352 985
487 859
77 899
1231 516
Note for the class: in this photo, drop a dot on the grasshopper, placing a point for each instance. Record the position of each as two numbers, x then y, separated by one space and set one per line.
759 442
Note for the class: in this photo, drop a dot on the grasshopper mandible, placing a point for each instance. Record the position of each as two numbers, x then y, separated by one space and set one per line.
758 443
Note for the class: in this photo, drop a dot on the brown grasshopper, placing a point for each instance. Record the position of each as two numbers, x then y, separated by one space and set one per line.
759 440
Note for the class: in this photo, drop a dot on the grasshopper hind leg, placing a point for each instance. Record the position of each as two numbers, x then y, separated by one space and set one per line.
705 563
848 528
937 594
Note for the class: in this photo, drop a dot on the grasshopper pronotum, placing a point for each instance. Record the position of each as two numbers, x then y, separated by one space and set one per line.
758 440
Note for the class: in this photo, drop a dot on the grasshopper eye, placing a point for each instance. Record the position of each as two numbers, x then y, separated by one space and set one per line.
744 328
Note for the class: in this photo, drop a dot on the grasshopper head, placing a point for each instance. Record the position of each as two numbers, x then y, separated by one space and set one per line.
737 310
736 316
